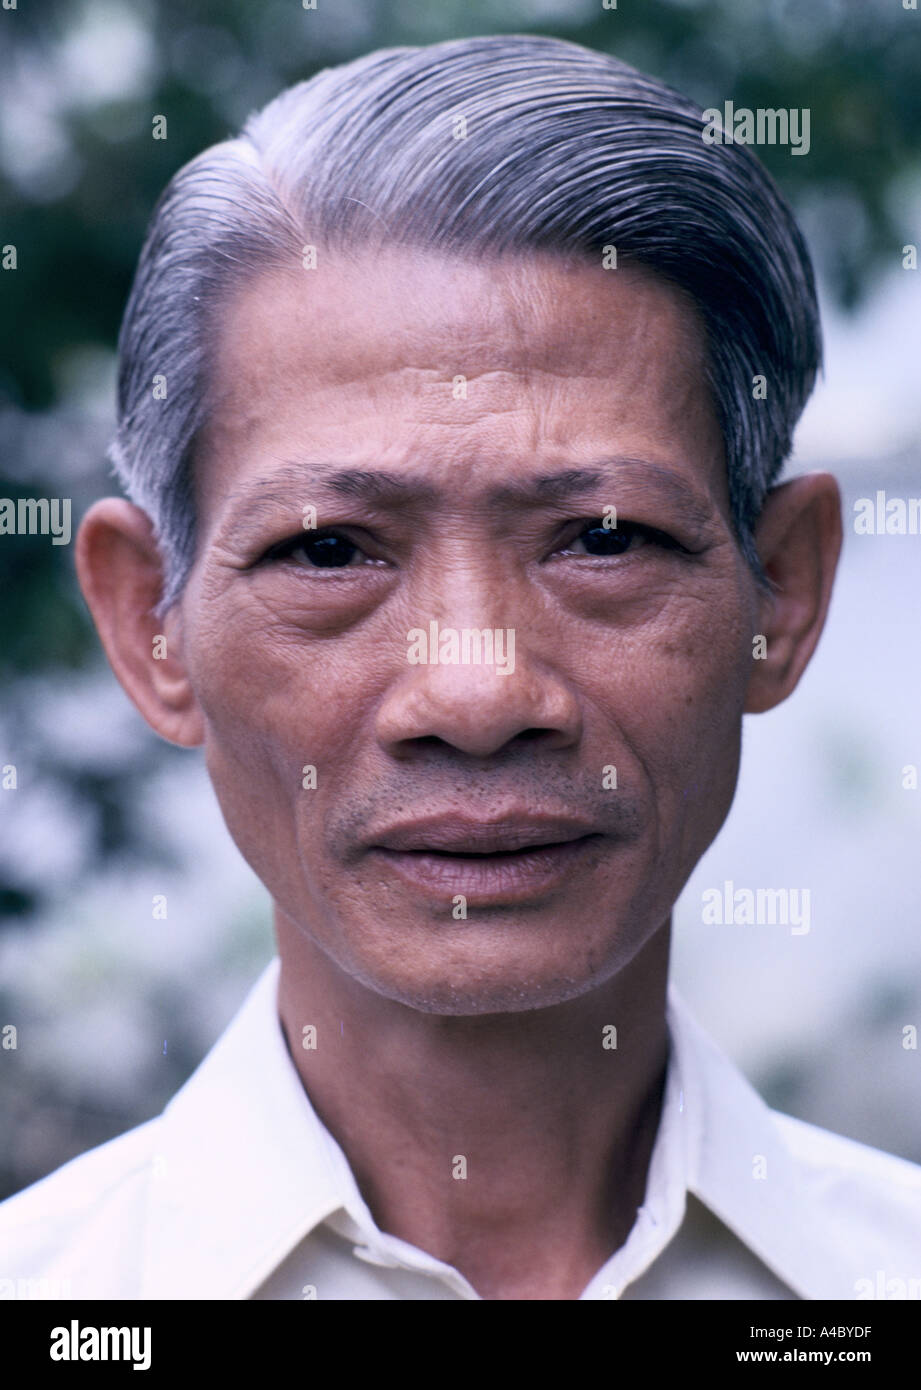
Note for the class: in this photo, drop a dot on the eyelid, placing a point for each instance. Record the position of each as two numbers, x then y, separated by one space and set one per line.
279 550
652 533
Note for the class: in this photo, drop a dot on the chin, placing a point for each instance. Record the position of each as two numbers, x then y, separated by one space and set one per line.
466 1000
467 989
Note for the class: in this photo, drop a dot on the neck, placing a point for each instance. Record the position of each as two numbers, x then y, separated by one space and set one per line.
512 1146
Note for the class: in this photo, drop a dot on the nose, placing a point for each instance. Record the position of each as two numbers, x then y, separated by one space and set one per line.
475 706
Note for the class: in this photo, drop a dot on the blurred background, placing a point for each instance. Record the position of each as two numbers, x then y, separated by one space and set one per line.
114 1006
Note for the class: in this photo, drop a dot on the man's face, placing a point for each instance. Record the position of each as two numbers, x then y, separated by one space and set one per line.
610 729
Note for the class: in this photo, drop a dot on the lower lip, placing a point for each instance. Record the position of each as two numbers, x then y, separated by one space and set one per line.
509 877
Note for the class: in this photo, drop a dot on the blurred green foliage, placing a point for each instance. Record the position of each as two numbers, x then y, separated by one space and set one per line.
80 172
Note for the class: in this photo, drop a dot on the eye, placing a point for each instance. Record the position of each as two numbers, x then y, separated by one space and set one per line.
602 540
320 550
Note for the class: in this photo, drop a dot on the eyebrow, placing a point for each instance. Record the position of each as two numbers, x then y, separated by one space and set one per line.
629 473
374 487
381 489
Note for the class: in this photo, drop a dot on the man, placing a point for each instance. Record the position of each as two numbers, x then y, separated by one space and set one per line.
452 403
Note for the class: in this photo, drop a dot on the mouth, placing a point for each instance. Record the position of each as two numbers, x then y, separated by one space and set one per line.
490 870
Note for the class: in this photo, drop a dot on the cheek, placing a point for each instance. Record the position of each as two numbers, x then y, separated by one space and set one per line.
671 692
281 712
705 668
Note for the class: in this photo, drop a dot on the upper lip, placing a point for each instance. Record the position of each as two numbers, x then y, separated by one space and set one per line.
458 835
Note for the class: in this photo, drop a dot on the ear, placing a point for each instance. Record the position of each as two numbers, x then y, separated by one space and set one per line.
121 574
798 537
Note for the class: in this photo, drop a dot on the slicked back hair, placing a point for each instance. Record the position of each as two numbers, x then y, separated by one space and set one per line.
561 149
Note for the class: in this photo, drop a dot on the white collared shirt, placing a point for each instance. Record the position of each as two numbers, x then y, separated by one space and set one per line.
238 1191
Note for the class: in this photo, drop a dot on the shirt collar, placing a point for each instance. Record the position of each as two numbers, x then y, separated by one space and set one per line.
245 1169
740 1167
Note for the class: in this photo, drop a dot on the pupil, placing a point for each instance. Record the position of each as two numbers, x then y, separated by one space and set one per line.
599 541
329 551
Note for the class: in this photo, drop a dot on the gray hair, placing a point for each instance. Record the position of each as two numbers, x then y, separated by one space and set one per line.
567 150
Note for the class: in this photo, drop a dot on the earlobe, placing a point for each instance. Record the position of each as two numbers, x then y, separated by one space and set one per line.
799 541
120 572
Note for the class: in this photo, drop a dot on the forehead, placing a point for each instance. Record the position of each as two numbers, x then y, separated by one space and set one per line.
437 360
